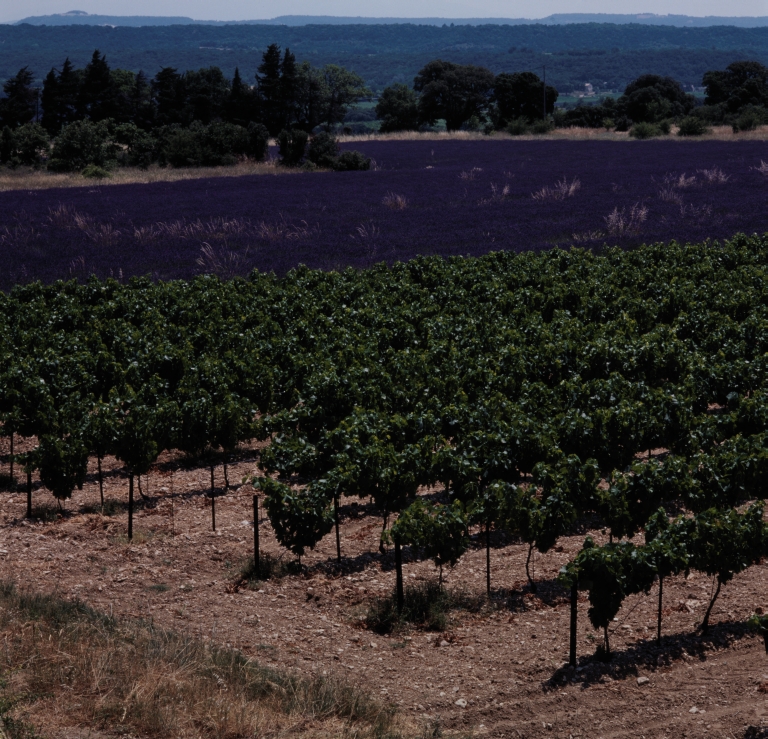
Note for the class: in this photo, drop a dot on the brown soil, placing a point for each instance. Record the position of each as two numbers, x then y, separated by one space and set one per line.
497 672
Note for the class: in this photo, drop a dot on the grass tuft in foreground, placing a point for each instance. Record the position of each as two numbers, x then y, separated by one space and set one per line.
426 605
67 663
270 568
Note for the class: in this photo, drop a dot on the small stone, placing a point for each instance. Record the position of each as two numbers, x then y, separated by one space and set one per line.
461 703
310 592
444 643
694 710
643 680
373 645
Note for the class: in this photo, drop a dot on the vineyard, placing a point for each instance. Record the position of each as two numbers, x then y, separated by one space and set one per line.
533 390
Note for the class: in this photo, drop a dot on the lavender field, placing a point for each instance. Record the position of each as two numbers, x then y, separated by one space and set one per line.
423 197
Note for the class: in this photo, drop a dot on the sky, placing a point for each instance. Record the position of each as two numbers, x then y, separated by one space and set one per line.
255 9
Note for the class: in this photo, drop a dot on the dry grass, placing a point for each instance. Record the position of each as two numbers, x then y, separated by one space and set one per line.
718 133
561 190
621 223
393 201
65 665
26 179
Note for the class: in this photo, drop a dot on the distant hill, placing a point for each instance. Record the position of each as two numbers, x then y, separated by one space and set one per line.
79 17
608 56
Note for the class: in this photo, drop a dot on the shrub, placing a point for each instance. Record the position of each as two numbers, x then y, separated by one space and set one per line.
518 127
28 145
258 141
691 126
82 143
270 568
202 146
541 126
622 123
749 119
94 172
222 143
352 161
644 131
140 146
323 150
292 145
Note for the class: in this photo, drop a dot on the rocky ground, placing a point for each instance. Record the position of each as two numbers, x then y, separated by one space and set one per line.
497 670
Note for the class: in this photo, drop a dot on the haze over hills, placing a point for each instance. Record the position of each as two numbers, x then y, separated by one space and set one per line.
606 55
79 17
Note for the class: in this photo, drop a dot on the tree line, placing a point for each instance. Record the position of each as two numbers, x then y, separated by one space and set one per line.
524 391
102 116
520 102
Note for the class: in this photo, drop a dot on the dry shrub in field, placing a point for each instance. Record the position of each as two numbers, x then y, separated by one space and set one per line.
692 211
63 216
561 190
67 665
588 236
621 223
497 195
682 181
714 176
222 262
394 201
17 237
669 195
763 168
470 174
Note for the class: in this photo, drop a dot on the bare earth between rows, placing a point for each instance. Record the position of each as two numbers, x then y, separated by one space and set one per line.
499 672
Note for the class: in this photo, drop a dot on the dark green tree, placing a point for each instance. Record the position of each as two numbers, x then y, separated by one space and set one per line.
52 118
17 107
239 107
270 92
292 145
398 109
207 91
168 96
98 94
521 95
289 88
82 143
741 84
342 89
453 92
652 98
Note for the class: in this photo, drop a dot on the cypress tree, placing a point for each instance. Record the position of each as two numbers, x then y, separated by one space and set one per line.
270 96
97 97
18 105
50 99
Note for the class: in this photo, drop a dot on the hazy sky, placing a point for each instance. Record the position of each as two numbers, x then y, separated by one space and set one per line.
254 9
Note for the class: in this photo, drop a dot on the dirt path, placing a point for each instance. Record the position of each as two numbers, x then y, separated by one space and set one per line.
497 671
